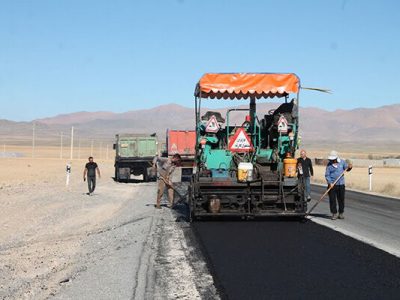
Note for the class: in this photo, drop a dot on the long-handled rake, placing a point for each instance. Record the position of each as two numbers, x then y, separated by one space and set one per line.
327 191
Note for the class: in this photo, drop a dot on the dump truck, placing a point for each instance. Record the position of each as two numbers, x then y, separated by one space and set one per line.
247 169
182 142
134 154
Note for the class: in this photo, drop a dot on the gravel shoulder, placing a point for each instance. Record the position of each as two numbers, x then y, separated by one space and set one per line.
59 243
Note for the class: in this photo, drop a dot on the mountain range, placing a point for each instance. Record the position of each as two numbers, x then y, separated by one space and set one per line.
362 125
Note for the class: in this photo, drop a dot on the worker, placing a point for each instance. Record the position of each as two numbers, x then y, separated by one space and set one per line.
165 167
335 169
247 123
306 171
89 173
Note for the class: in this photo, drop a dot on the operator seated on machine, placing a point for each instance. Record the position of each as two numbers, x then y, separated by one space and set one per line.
245 125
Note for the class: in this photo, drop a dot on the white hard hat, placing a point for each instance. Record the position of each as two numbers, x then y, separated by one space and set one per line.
333 155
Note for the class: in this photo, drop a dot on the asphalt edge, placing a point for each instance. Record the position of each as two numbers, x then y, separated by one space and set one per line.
195 254
390 250
199 253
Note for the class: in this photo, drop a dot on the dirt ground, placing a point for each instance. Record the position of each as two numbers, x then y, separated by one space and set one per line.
57 242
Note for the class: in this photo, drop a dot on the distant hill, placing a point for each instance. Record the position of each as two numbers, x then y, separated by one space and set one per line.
362 125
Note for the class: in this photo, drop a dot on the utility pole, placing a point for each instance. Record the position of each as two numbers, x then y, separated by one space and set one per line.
72 142
61 145
101 150
79 148
33 140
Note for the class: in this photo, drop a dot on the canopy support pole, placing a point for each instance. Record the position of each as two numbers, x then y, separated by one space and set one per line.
253 119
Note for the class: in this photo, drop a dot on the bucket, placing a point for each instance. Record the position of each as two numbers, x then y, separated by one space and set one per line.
245 172
289 165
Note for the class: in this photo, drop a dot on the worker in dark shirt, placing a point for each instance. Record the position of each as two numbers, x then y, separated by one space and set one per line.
306 171
90 174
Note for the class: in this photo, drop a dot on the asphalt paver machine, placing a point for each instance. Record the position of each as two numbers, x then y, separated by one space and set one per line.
247 170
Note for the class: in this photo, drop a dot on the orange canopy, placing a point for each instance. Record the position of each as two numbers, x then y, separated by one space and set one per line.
245 85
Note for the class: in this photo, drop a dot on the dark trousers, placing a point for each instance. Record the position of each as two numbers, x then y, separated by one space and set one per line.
337 194
91 181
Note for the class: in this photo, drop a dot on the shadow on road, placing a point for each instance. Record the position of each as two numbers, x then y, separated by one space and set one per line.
321 216
132 180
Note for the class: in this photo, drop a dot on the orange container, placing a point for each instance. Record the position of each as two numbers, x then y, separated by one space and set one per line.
289 165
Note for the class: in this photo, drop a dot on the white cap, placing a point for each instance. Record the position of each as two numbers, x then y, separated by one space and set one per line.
333 155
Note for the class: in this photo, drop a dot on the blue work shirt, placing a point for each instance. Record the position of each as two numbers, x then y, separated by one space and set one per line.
333 171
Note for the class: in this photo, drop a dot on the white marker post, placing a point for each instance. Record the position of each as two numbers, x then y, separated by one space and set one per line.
68 170
370 177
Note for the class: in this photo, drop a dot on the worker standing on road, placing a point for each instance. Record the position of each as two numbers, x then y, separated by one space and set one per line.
165 167
334 170
89 173
306 171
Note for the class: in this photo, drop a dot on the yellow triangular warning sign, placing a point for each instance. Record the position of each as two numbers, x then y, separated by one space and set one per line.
212 125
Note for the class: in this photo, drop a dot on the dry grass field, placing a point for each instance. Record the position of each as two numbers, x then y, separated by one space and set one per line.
47 167
384 181
16 172
52 152
353 150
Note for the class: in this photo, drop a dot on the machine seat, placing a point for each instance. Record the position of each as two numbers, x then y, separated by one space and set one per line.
208 115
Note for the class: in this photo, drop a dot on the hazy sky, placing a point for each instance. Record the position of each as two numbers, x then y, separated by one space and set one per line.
66 56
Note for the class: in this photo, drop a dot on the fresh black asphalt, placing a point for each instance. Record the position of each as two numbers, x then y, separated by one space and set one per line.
278 259
370 202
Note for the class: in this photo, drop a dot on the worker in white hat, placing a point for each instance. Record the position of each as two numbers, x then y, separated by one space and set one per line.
335 169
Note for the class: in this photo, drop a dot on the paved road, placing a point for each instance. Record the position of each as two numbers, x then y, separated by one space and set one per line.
369 218
293 260
278 259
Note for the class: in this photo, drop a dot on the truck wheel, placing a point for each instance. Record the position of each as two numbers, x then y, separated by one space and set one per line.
145 175
116 177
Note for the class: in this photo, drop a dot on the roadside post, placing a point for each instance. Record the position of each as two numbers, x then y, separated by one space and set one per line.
370 177
68 170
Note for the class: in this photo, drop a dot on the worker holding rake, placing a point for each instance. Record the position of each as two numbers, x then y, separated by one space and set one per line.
165 167
334 176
